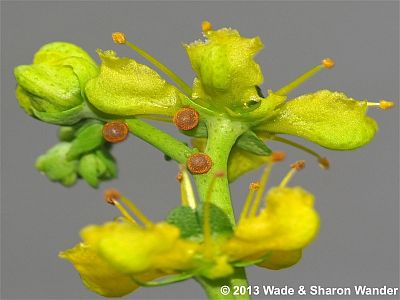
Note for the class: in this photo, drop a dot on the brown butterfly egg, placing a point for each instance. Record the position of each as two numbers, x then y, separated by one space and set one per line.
186 118
115 131
199 163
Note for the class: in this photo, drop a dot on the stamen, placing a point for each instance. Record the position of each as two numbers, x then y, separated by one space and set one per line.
136 212
260 191
112 196
323 161
278 156
383 104
327 63
119 37
206 26
295 167
254 186
187 194
179 81
206 214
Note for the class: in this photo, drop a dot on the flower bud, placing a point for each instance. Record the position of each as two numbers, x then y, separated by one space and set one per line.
51 88
94 166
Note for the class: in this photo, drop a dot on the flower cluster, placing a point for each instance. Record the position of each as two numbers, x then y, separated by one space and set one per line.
117 257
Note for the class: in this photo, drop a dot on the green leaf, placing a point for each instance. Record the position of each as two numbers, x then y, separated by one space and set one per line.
87 140
250 142
219 221
330 119
125 87
227 74
88 169
187 220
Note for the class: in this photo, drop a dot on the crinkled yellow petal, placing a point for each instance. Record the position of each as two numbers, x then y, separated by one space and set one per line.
125 87
330 119
97 274
289 222
133 250
281 259
225 68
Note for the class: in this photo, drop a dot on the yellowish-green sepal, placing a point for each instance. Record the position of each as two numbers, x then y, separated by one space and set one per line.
227 74
125 87
51 53
58 85
330 119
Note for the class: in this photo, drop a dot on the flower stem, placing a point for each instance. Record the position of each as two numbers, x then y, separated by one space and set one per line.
217 289
222 135
159 139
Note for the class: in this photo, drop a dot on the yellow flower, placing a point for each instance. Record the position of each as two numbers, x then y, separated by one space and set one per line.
117 257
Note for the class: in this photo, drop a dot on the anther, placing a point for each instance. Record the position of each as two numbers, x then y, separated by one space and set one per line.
383 104
179 176
206 26
328 63
119 37
278 156
254 186
199 163
115 131
186 118
295 167
111 195
324 163
298 165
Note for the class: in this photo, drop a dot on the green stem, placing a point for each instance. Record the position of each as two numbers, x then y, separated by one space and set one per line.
161 140
216 289
222 135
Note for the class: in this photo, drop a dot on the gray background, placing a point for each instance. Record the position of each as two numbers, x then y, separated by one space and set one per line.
357 199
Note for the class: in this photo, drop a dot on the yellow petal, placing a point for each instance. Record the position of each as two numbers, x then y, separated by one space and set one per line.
281 259
98 275
289 222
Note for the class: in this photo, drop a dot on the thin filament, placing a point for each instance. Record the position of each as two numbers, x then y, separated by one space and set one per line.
137 212
124 212
260 192
183 85
296 145
299 80
247 203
